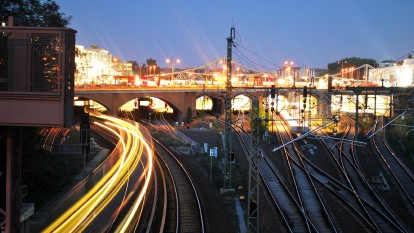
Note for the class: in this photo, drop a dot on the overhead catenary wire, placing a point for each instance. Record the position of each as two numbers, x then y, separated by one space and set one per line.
245 58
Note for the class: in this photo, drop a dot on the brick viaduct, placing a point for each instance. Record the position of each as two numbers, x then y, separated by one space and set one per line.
178 99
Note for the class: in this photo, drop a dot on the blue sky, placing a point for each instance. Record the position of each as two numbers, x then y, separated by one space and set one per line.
311 33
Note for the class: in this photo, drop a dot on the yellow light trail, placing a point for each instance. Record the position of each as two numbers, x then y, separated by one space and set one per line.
132 143
138 203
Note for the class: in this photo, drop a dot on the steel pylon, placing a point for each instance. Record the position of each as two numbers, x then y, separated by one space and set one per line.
254 178
228 112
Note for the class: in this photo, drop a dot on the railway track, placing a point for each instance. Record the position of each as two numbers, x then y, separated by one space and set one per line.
383 217
399 175
369 212
289 202
178 196
313 204
52 137
189 213
291 193
400 172
375 210
304 194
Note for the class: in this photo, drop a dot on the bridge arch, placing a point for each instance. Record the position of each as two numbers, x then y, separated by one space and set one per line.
180 100
318 102
114 99
78 102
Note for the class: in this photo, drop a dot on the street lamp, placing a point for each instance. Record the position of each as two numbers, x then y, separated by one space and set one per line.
352 72
153 68
342 67
172 62
289 65
140 71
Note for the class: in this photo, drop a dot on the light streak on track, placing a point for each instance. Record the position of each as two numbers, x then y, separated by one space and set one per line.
133 146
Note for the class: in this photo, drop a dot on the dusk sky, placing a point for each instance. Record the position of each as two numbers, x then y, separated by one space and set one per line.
311 33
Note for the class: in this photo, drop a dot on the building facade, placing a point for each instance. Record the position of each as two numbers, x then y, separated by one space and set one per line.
97 66
394 74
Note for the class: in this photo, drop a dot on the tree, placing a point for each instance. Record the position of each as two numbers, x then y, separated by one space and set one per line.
355 62
151 62
135 66
34 13
188 115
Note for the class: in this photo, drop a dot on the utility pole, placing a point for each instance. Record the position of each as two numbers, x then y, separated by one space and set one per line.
85 139
203 105
267 109
228 113
254 179
357 91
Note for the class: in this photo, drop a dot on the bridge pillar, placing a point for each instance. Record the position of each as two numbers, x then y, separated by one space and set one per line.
116 101
222 107
180 117
13 182
217 106
188 101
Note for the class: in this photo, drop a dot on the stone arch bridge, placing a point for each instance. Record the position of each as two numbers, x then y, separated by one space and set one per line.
181 99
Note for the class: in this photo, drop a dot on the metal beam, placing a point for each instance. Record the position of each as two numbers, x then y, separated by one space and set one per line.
228 112
253 203
13 179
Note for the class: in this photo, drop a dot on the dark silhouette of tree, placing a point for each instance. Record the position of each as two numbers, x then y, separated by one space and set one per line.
34 12
355 62
151 62
45 48
135 66
189 115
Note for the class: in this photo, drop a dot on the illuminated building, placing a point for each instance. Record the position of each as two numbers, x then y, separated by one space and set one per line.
95 65
394 74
